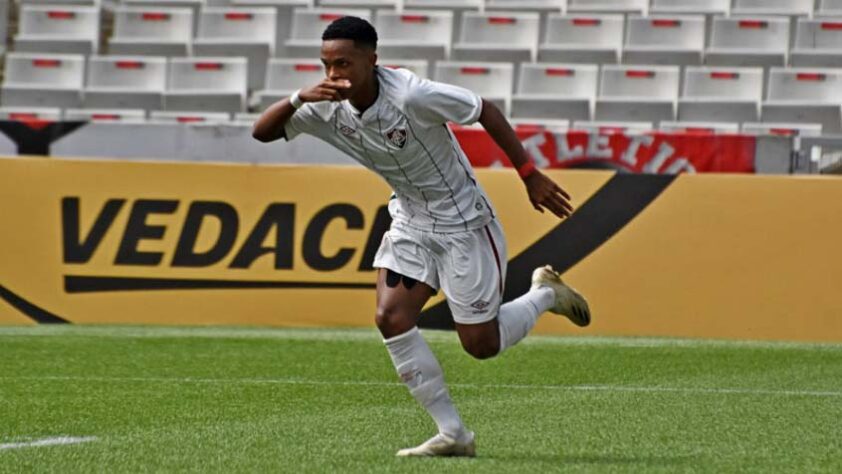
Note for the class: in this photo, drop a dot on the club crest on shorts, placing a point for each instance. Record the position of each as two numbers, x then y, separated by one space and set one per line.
397 136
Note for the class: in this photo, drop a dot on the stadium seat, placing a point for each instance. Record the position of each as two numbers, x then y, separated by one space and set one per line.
637 93
555 91
285 76
152 31
613 6
492 81
498 36
194 5
43 80
711 7
419 67
818 43
206 84
420 34
612 126
106 115
773 7
755 41
784 129
30 113
188 117
283 15
458 7
549 125
126 82
375 4
721 94
664 40
804 95
592 39
829 8
309 23
58 29
245 118
239 32
700 127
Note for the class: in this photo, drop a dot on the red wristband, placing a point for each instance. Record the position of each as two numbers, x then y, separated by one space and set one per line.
526 169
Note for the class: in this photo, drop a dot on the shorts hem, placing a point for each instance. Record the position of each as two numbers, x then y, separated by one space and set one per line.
404 273
475 320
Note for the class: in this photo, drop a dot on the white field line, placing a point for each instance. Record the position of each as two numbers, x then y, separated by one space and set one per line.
371 335
59 440
470 386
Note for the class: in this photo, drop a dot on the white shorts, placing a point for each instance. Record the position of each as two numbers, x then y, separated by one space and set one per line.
470 267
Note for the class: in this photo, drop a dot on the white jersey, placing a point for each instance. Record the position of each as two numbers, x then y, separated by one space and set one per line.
404 138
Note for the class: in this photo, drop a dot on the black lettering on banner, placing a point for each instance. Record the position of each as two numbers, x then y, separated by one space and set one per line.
77 249
312 245
382 222
282 218
137 230
185 253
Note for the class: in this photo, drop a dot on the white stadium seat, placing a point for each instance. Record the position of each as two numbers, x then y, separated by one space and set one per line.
206 84
43 80
376 4
555 91
188 117
592 39
58 29
419 67
419 34
126 82
30 113
664 40
152 31
783 129
497 36
804 95
285 76
106 115
245 118
637 93
194 5
492 81
818 43
612 126
549 6
829 8
773 7
242 32
699 127
721 94
712 7
755 41
613 6
308 24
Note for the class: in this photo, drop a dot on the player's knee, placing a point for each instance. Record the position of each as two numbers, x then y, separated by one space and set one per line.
482 350
391 322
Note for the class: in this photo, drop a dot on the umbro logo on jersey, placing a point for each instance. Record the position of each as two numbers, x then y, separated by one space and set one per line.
397 136
346 130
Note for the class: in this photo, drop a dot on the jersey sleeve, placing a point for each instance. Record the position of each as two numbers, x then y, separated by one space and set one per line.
304 120
434 103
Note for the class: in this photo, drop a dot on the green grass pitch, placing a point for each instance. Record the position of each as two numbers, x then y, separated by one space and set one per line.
154 399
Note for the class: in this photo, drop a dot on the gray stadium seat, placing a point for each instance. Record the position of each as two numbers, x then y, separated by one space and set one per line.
676 39
713 7
492 81
206 84
555 91
829 8
637 93
785 129
43 80
612 6
68 29
309 23
755 41
773 7
497 36
700 127
107 115
805 95
419 67
30 113
285 76
188 117
818 43
592 39
721 94
612 126
419 34
240 32
126 82
152 31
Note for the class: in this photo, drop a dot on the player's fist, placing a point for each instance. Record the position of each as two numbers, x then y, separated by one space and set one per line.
325 90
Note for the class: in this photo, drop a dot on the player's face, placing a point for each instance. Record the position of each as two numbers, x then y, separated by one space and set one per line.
343 60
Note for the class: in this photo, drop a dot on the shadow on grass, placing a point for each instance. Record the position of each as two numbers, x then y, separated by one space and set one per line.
595 459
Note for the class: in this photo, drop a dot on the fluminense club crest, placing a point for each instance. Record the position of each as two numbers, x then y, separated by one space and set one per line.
397 136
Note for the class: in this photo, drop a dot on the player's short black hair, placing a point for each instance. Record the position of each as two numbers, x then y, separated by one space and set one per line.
352 28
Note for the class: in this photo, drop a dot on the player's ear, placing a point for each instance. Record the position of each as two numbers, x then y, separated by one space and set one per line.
372 58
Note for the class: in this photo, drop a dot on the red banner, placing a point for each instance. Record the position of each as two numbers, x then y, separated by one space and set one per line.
655 152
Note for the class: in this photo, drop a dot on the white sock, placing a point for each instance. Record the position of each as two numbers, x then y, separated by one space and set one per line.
517 317
419 370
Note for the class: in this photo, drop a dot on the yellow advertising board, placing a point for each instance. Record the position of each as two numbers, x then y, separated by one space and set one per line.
183 243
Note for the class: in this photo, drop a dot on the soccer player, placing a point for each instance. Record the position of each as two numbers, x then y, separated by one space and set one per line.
444 233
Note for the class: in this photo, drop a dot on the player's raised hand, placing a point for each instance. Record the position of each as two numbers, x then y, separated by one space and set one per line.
325 90
544 193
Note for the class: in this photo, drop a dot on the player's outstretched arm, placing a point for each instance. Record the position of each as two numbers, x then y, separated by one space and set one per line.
543 192
270 125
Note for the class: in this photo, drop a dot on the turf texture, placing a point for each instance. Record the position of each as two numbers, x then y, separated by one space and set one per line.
171 399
